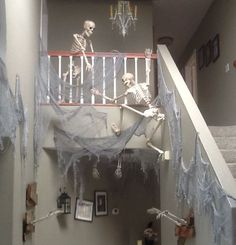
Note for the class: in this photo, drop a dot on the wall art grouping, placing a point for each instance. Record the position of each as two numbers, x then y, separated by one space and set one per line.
208 52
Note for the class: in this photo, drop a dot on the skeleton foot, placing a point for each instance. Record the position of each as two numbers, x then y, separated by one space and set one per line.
115 129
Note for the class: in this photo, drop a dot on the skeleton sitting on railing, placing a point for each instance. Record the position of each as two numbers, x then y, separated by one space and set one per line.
80 45
140 92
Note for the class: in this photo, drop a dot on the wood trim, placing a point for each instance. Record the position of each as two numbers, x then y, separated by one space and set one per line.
99 54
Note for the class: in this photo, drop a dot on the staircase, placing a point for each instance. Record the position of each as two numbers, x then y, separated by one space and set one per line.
225 137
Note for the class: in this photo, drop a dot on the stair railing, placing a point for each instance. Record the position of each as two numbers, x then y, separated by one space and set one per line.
136 63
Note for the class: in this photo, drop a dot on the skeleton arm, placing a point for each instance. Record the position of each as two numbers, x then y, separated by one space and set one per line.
120 96
178 221
96 92
91 46
82 49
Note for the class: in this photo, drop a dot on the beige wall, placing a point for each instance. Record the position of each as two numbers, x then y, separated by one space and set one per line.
217 88
67 18
22 18
132 195
2 30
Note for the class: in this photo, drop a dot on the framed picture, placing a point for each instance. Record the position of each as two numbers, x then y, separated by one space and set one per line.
83 210
101 208
200 57
215 47
208 53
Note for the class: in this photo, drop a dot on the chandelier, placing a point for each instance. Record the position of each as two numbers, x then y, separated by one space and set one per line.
123 16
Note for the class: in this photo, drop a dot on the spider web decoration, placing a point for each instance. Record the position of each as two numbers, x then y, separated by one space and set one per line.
197 183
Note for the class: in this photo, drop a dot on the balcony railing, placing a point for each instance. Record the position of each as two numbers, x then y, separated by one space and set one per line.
62 62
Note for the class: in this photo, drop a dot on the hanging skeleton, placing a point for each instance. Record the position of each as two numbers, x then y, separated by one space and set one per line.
80 45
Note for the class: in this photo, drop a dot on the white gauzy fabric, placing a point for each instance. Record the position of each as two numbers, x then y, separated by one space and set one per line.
2 30
8 116
81 131
196 184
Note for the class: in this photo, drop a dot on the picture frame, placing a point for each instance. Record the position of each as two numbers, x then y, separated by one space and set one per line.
208 53
201 57
101 203
83 210
215 47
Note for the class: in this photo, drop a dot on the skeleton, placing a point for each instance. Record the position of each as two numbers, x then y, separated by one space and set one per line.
140 92
80 42
80 45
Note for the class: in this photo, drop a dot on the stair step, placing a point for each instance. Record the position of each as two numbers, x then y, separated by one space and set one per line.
232 167
229 155
226 142
223 130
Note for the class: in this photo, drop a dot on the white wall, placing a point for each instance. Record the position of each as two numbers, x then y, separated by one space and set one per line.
216 88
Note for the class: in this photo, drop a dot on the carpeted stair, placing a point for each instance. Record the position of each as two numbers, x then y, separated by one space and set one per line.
225 137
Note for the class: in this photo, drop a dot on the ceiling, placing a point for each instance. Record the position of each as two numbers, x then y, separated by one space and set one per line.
178 19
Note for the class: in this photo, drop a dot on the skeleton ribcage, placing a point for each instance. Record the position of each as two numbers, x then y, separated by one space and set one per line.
79 44
140 92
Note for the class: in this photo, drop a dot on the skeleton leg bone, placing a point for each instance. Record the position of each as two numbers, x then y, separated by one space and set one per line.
160 119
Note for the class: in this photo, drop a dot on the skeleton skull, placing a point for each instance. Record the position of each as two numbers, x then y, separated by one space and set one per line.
128 79
89 27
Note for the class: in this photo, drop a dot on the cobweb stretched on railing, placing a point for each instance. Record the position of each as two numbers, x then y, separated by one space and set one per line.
196 184
82 131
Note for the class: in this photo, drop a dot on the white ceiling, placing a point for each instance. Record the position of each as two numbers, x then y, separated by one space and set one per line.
179 19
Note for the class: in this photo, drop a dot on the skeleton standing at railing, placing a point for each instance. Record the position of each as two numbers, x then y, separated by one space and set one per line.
80 41
80 45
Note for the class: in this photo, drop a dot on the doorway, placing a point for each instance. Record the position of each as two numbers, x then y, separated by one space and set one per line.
190 71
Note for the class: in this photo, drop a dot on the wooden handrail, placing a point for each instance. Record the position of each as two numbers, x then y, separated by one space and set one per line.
99 54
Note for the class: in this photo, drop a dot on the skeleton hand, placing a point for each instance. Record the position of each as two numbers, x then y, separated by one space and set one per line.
89 67
95 91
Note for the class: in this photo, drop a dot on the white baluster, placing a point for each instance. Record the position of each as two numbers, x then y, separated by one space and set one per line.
147 67
93 97
81 79
136 69
125 71
48 85
59 74
103 81
71 81
114 75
